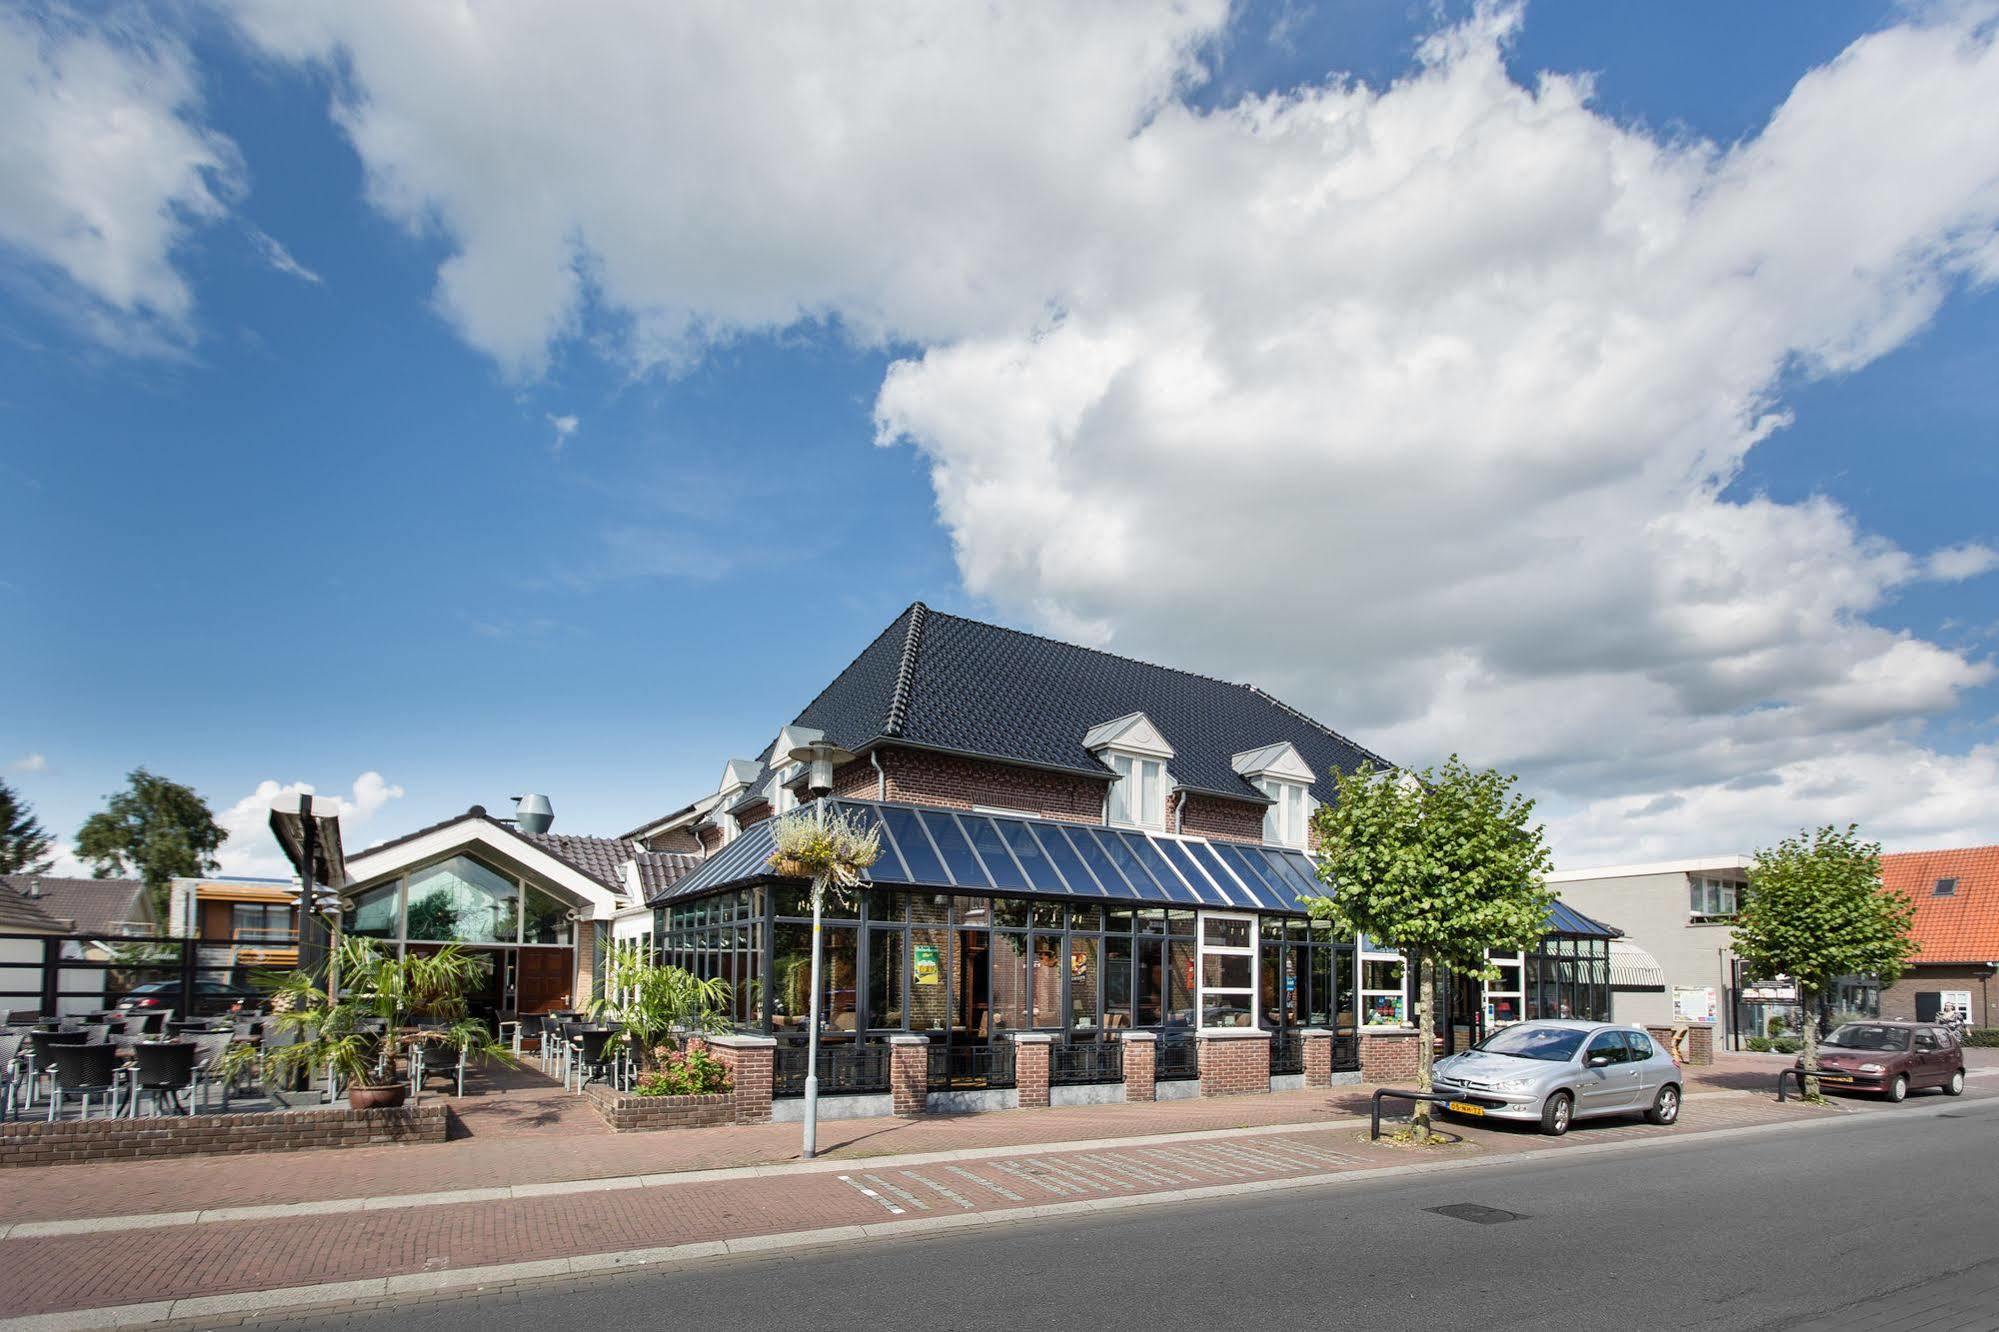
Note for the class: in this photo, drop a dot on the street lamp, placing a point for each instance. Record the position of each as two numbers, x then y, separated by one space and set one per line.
804 744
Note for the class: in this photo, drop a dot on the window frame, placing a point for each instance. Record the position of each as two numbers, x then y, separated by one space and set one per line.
1136 789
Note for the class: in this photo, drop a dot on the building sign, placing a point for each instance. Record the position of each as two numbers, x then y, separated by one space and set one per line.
1693 1003
928 970
1079 963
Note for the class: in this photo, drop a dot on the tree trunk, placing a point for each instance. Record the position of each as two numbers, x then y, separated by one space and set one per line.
1811 1050
1426 1035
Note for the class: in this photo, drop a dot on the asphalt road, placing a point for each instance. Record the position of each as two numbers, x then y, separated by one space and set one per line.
1883 1218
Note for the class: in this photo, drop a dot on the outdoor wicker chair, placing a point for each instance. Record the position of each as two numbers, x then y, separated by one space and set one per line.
86 1071
166 1069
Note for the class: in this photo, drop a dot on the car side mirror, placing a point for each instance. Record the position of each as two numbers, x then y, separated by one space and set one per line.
1599 1061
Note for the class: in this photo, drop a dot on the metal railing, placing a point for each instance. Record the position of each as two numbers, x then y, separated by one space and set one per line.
844 1070
1178 1059
1374 1120
971 1067
1346 1054
1079 1063
1287 1053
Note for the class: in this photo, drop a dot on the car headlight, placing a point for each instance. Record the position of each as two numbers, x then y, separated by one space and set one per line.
1870 1068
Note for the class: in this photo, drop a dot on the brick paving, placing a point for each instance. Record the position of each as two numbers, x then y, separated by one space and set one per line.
537 1135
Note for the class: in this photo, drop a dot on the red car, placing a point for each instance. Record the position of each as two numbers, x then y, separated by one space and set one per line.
1892 1058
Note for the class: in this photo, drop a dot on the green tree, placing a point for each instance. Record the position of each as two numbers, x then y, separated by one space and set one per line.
25 845
1441 865
1817 911
154 828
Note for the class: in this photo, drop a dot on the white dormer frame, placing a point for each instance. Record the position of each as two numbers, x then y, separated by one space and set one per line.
1280 772
1132 747
736 777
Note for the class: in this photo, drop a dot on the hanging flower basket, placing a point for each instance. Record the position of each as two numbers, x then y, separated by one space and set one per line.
839 850
790 867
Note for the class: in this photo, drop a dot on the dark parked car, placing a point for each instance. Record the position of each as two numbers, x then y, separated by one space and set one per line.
1892 1058
210 998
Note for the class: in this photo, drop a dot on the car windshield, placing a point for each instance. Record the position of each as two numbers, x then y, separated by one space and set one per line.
1557 1045
1869 1036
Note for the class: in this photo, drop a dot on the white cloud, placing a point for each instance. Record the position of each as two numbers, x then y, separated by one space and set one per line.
108 171
273 252
251 850
1418 405
1955 564
564 427
29 763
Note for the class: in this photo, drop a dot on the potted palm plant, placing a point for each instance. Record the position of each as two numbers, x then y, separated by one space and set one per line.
655 1004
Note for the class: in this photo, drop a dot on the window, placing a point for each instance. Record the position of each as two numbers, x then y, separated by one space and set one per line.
1641 1045
256 921
1713 898
1285 822
1608 1046
1944 888
1228 971
1138 796
1382 1001
462 900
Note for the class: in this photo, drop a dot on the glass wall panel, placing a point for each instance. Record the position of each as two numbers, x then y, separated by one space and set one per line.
840 970
1117 982
1083 982
1180 981
910 839
885 973
461 899
930 966
1010 981
986 841
545 920
1046 981
790 978
377 913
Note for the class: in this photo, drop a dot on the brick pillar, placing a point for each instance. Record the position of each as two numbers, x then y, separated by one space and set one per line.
1388 1055
1700 1042
1141 1054
1030 1068
909 1073
1234 1061
1318 1056
751 1063
586 964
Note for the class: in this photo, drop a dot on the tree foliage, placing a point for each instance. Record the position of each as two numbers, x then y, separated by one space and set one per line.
1441 865
154 828
25 846
1816 910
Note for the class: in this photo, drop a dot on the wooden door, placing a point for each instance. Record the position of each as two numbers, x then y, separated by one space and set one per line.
544 978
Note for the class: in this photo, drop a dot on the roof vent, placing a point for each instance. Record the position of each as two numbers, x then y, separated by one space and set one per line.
533 813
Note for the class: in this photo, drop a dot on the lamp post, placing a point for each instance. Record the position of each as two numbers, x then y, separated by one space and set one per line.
811 747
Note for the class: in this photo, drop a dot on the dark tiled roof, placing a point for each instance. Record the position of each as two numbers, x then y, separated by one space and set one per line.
660 870
650 824
96 906
948 683
19 915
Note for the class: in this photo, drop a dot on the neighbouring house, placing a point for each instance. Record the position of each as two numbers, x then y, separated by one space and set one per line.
1956 895
1677 958
103 908
240 924
541 906
1076 845
61 938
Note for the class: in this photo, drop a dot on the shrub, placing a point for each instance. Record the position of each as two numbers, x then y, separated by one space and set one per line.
1777 1026
1987 1036
1757 1044
1786 1045
688 1072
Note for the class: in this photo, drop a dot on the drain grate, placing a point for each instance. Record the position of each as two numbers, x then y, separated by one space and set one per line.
1475 1212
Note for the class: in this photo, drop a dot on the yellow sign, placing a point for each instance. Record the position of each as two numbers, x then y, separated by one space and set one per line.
928 970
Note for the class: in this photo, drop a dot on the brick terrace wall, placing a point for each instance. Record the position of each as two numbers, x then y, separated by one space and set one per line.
1141 1053
909 1073
643 1114
1234 1065
1387 1055
1700 1041
1230 820
67 1142
752 1065
920 777
1318 1057
1030 1070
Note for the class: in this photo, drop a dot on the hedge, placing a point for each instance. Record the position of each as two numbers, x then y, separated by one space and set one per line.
1988 1036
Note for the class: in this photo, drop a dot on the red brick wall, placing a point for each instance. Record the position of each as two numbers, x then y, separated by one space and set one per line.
919 777
1388 1057
680 839
711 840
1139 1062
1030 1073
1898 1001
643 1114
1235 1065
1230 820
909 1073
752 1071
69 1141
755 814
1318 1058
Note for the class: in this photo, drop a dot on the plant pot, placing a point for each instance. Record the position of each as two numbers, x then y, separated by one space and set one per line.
387 1097
791 868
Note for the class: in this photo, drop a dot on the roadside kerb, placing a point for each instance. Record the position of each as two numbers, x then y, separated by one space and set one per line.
420 1283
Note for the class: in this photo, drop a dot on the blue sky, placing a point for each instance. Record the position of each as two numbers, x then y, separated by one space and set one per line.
324 523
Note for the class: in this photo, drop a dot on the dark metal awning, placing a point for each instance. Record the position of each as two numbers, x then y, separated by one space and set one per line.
993 853
1565 920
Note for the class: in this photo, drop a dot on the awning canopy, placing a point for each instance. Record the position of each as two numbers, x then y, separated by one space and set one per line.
990 853
1565 920
1632 968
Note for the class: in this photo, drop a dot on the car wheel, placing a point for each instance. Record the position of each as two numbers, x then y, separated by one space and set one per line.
1898 1090
1955 1087
1556 1112
1665 1107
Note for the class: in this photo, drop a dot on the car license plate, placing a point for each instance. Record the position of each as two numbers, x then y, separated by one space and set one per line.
1831 1077
1464 1107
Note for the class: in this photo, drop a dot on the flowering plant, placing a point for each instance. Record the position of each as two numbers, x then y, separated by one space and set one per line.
688 1071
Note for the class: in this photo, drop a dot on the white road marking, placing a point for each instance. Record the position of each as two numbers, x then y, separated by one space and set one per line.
901 1193
938 1189
985 1184
893 1209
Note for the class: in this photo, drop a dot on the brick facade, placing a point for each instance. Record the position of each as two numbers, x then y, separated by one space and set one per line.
1698 1048
710 839
1234 1065
644 1114
1141 1053
1388 1055
1898 1001
586 963
70 1141
920 777
679 839
1226 820
752 1065
909 1073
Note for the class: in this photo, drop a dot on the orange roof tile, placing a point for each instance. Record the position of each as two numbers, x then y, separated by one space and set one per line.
1963 927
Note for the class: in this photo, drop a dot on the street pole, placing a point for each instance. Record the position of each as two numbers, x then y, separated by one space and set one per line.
811 1145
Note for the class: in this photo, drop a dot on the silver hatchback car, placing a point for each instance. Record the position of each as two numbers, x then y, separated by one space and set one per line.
1555 1073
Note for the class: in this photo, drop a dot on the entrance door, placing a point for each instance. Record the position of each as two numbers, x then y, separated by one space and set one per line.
542 978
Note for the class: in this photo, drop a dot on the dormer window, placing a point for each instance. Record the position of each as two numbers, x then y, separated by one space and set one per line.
1281 773
1132 747
1138 797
